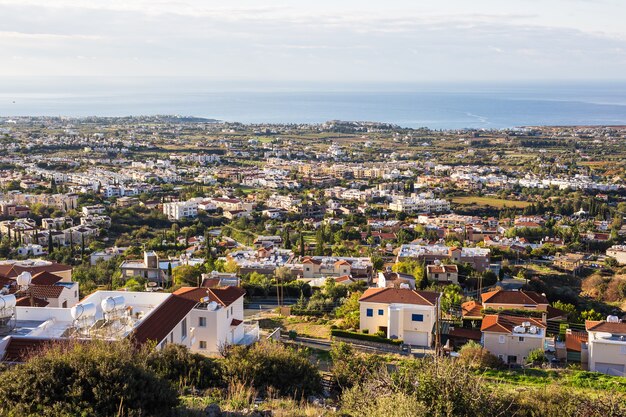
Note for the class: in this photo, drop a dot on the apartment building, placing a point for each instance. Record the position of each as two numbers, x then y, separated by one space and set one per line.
181 210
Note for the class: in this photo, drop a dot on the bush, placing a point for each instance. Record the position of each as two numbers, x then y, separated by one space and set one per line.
364 336
536 356
185 369
95 378
434 387
268 365
473 355
351 367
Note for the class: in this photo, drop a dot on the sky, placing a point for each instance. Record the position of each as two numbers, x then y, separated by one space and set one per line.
321 40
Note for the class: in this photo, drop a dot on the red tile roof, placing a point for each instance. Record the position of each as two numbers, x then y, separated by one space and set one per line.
471 309
604 326
472 334
513 297
46 291
500 323
163 319
45 278
224 296
13 270
399 295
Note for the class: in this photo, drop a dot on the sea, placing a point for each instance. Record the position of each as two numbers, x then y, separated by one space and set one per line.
433 105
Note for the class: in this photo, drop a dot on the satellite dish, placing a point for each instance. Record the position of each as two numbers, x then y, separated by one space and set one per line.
212 306
24 279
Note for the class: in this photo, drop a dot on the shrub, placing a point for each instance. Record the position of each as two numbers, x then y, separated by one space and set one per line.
351 367
95 378
434 387
536 356
265 364
473 355
185 369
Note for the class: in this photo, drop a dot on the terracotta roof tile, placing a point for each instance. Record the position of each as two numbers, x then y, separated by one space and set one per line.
513 297
161 321
13 270
501 323
603 326
45 278
224 296
399 295
471 309
46 291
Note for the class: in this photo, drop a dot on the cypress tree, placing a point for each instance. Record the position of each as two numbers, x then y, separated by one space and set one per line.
50 245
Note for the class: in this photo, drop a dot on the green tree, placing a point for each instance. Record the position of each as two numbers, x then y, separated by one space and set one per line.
96 378
186 275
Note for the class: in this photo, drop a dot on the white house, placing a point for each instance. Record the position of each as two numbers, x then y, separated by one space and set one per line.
400 313
607 346
201 319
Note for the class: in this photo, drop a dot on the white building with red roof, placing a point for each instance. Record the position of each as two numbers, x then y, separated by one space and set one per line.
400 313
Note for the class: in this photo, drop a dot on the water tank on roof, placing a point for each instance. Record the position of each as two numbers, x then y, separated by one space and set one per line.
519 329
82 311
24 279
212 306
612 319
7 301
526 324
405 286
533 330
110 304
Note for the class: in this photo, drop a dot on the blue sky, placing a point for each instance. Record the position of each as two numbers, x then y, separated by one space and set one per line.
323 41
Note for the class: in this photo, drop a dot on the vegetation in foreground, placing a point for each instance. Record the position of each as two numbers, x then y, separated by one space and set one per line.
117 379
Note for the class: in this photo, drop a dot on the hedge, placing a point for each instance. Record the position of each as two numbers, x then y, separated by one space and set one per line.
365 337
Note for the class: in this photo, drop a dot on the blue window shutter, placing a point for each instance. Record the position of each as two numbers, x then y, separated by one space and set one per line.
370 312
417 317
381 312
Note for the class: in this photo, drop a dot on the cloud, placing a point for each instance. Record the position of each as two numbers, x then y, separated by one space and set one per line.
240 39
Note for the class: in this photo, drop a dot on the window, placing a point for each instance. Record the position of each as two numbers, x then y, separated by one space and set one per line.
231 310
202 344
370 312
201 321
172 337
417 317
183 330
521 339
227 315
381 312
501 339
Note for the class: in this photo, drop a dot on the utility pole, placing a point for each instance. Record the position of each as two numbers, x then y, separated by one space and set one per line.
438 326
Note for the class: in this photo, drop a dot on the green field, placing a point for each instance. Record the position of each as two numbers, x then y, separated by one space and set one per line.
490 201
569 378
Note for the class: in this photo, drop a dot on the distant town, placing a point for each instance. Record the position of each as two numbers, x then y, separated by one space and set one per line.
396 242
